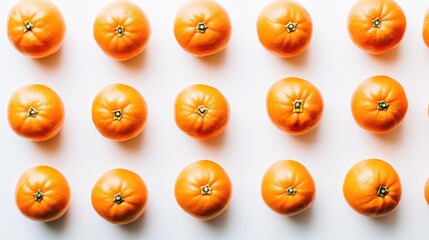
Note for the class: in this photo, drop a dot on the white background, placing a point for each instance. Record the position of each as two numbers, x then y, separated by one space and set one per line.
243 72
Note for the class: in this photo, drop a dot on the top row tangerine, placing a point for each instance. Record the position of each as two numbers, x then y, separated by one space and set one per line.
36 28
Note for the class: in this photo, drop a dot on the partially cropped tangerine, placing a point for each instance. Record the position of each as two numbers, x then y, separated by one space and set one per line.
426 191
425 30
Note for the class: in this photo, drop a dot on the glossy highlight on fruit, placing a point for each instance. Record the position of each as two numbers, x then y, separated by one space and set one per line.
288 188
203 189
379 104
119 196
119 112
35 112
202 27
36 28
294 105
284 28
201 111
376 26
122 30
42 194
372 187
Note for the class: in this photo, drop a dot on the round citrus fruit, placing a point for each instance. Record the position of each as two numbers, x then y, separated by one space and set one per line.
203 189
42 194
284 28
294 105
119 196
201 111
36 28
35 112
425 31
119 112
122 30
426 190
376 26
372 187
202 27
379 104
288 188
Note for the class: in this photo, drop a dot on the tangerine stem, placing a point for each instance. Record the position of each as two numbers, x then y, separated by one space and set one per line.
376 22
382 105
28 26
291 191
118 199
120 30
382 191
201 27
206 190
32 112
290 27
117 114
298 106
38 196
201 110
